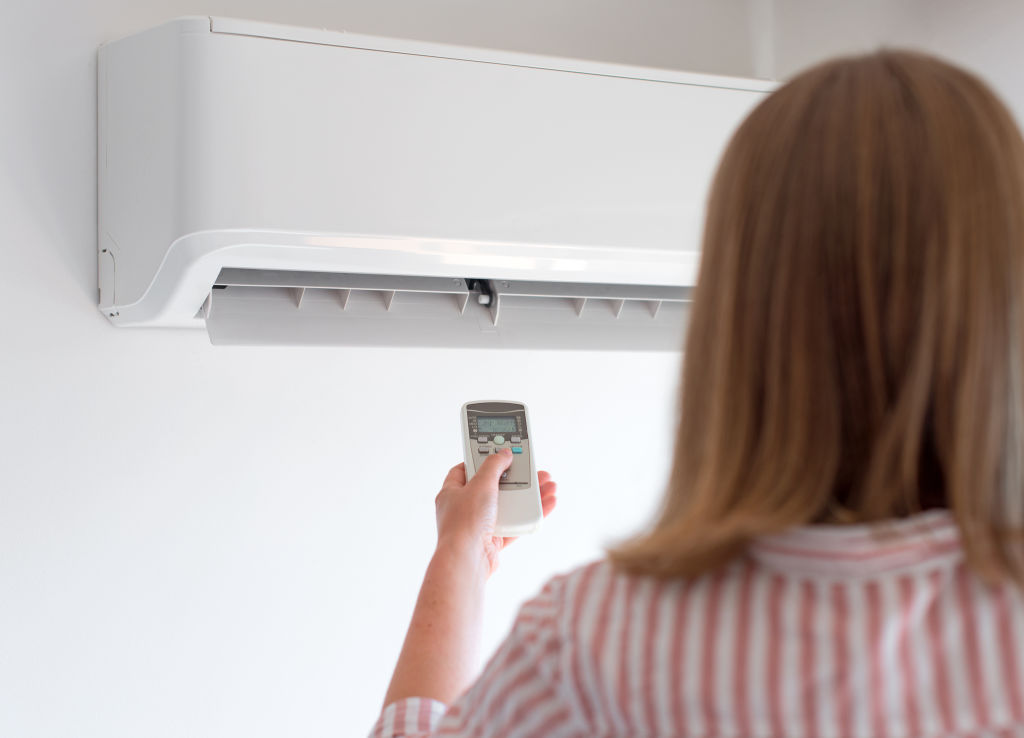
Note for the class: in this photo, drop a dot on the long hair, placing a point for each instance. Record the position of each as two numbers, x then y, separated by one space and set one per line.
855 349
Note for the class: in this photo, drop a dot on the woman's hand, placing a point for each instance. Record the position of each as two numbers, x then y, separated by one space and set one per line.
467 512
439 656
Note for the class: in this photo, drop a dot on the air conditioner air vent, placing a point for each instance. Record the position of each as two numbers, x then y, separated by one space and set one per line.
254 306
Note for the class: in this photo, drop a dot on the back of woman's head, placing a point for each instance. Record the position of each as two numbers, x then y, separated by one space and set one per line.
855 350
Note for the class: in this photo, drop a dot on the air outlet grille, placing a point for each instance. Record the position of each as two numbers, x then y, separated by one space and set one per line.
251 306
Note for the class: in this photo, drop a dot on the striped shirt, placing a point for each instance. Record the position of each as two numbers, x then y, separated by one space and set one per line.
822 631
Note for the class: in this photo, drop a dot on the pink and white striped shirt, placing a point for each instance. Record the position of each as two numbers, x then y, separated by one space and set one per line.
823 631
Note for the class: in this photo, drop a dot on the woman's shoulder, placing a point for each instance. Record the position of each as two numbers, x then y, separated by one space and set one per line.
604 574
569 582
599 585
596 600
562 593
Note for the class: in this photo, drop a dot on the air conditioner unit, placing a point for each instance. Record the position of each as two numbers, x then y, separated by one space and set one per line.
286 185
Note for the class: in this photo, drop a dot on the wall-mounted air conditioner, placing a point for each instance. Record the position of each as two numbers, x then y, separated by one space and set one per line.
284 185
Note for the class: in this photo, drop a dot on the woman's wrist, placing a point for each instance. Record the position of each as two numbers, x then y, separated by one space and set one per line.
461 552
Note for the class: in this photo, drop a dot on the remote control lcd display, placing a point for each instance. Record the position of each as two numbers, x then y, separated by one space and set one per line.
496 425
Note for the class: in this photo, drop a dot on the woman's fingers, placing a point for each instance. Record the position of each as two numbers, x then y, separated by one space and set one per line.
456 475
547 503
547 495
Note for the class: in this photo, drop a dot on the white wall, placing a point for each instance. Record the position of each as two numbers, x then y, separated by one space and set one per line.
983 36
200 541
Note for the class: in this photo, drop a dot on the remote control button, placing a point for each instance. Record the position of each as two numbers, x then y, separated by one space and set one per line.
517 449
484 450
504 475
499 440
481 439
516 439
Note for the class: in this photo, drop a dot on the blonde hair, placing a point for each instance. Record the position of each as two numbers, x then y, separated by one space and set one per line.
854 350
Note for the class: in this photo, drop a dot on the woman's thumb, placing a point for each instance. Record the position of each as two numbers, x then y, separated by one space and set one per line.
494 465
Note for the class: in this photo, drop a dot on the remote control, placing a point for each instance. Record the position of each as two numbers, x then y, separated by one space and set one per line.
488 426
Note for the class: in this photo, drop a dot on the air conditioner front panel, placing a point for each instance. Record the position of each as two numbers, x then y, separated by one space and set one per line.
227 145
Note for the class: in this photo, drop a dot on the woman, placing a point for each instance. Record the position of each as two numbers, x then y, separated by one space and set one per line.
841 548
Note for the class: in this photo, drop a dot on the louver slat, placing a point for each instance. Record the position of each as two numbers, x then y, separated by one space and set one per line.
262 306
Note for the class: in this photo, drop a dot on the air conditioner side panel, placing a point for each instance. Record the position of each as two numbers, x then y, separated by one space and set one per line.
141 110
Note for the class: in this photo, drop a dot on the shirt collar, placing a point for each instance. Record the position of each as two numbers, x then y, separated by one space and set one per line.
924 540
